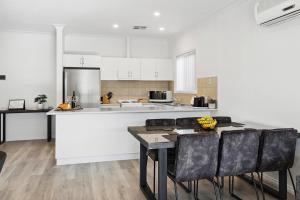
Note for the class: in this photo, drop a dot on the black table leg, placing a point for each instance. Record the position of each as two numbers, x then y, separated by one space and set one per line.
143 166
162 174
0 128
283 184
4 129
49 128
143 174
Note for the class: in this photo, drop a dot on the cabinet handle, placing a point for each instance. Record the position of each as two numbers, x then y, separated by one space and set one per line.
82 61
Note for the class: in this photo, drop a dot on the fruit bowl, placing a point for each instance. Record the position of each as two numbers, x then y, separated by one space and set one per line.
207 123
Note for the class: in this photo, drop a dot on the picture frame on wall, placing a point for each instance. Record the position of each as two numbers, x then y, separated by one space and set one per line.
16 104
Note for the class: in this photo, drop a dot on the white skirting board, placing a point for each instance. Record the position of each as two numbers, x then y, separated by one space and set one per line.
93 159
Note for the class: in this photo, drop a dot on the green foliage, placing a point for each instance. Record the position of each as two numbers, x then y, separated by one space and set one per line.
42 98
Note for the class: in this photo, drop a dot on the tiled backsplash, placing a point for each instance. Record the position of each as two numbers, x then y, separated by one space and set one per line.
132 89
207 86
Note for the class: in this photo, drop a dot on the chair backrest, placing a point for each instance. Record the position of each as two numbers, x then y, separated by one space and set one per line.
223 120
238 152
160 122
187 122
298 188
2 159
277 149
196 156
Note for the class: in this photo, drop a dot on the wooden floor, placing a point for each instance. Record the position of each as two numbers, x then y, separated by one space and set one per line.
30 173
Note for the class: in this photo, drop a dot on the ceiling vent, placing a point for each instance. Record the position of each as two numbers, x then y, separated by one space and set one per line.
139 27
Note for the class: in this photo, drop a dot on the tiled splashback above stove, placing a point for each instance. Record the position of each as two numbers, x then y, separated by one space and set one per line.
132 89
207 86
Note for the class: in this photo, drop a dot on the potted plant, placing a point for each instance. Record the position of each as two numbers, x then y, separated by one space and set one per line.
40 100
212 103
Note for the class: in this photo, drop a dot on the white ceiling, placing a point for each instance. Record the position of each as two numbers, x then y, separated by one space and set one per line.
97 16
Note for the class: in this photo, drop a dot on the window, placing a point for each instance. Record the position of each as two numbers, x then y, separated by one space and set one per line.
186 73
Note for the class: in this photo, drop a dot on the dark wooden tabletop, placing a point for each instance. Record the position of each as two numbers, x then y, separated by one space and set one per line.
26 111
165 137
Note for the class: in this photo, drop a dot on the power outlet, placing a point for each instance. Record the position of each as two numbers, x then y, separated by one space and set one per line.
2 77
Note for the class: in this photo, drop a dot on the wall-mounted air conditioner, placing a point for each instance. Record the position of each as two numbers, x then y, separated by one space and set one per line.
269 12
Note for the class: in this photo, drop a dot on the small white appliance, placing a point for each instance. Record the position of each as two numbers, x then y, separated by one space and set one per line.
160 96
270 12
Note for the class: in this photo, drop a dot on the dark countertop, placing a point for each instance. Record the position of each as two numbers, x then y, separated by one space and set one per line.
26 111
165 137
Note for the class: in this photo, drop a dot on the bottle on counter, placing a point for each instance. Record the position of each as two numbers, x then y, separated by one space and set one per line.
73 100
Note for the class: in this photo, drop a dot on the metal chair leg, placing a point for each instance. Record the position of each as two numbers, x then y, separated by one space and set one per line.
293 183
215 189
154 177
254 184
231 188
176 193
220 189
261 185
196 189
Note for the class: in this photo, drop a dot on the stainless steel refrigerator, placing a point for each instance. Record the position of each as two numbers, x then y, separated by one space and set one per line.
85 82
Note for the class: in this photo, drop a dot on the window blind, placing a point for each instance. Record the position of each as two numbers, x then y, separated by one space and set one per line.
186 72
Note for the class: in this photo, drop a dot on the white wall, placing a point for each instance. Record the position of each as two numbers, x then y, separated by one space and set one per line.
115 46
27 59
257 68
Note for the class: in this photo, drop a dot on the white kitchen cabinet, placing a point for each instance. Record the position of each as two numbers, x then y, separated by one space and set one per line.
164 70
156 69
148 69
109 68
129 69
76 60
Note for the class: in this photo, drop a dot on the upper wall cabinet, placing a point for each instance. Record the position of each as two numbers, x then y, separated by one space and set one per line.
109 68
129 69
74 60
156 69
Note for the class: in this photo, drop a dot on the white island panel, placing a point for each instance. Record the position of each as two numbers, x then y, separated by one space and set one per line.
91 137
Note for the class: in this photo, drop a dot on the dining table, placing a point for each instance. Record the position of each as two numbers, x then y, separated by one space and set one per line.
162 138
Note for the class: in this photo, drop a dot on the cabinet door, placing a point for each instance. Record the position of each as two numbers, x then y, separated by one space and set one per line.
148 69
164 69
70 60
91 61
123 69
109 69
134 67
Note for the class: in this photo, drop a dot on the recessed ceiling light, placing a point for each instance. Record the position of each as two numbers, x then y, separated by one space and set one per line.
116 25
162 28
156 14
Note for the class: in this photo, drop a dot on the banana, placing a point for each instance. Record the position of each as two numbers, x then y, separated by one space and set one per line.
207 122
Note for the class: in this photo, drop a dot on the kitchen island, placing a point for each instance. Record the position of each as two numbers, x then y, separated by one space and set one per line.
100 134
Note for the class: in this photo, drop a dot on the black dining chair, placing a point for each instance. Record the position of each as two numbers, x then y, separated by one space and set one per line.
2 159
238 152
298 188
153 154
276 152
222 120
188 122
196 157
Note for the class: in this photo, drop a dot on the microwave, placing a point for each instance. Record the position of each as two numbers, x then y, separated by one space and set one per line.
160 96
